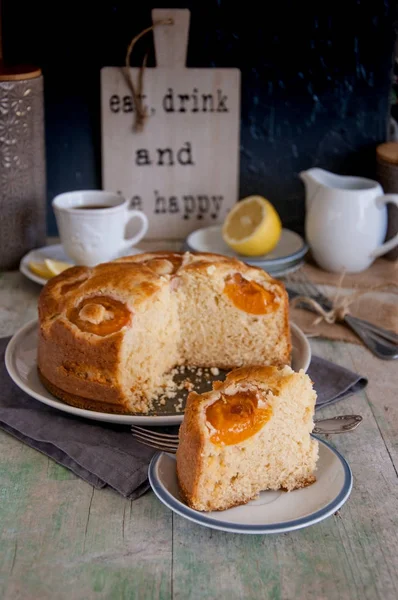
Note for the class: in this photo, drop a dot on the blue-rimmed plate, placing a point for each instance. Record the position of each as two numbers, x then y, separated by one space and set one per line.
272 512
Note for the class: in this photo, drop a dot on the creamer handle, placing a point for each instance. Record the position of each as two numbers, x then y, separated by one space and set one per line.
391 244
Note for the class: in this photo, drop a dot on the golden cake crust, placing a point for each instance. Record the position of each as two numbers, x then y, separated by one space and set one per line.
80 402
79 337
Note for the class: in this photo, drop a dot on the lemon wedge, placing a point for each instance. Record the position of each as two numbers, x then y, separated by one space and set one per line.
48 268
40 269
56 266
252 227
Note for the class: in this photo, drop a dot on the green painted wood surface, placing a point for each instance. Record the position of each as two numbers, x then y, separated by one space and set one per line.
61 539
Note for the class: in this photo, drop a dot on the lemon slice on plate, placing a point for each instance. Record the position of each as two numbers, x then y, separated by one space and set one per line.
56 266
252 227
40 269
48 268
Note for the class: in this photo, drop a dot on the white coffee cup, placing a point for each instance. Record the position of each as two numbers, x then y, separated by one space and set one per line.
92 225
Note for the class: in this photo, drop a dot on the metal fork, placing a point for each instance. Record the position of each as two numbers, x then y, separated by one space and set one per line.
310 289
168 442
382 342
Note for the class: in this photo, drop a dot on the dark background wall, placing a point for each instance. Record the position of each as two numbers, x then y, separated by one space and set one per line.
316 79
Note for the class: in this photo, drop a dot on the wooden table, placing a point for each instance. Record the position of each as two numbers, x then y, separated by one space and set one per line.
63 540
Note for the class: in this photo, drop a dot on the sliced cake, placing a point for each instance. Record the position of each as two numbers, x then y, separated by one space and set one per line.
110 335
250 433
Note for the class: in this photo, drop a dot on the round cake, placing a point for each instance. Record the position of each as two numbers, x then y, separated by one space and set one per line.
110 335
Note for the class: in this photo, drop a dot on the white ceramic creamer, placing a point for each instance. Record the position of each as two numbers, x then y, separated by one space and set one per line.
346 220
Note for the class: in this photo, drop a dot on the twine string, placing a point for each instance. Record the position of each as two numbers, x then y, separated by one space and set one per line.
340 306
140 114
334 315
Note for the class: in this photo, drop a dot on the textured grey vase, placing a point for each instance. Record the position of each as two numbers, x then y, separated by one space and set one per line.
22 165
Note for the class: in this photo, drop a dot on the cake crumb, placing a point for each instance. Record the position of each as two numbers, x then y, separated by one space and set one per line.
178 406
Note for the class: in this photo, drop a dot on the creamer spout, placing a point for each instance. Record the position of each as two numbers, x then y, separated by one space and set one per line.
312 179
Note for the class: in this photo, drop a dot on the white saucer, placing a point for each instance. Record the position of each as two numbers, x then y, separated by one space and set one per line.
55 252
290 248
282 271
272 512
21 364
275 271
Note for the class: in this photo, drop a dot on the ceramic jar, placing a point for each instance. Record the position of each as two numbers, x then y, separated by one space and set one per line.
22 164
387 175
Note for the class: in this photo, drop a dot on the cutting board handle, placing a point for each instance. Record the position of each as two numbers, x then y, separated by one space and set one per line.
171 41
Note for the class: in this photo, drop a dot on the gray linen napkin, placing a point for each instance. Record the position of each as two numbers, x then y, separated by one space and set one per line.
102 454
332 382
107 455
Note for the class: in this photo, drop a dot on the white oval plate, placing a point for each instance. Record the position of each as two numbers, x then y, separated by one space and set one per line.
272 512
21 364
55 252
290 247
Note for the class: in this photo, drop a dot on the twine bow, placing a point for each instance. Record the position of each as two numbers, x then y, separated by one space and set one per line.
334 315
140 114
340 305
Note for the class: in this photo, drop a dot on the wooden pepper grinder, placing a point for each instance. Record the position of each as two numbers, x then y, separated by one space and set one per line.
387 174
22 162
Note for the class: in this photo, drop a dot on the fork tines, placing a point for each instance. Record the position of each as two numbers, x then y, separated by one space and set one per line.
307 288
154 439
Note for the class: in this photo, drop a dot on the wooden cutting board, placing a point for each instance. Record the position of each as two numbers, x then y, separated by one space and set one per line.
182 169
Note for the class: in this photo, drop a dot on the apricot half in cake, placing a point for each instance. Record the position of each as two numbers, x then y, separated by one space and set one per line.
249 434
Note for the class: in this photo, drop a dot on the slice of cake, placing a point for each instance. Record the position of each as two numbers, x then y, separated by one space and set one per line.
250 433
